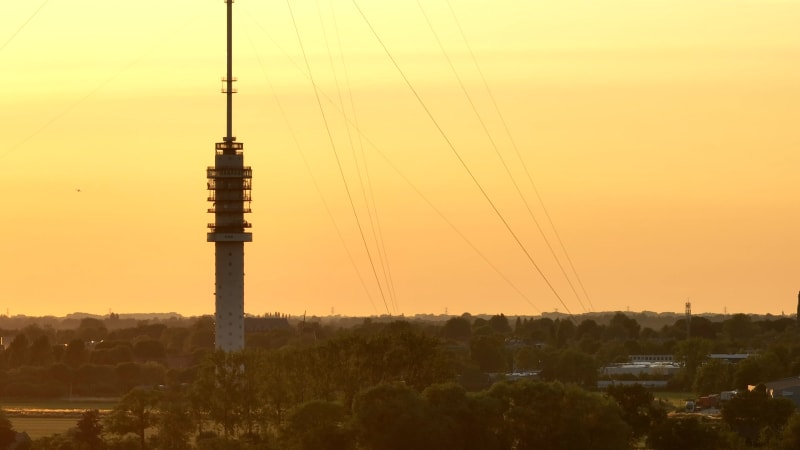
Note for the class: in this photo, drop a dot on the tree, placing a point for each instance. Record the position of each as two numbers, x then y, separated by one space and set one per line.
91 329
565 330
201 335
790 436
747 372
702 327
152 373
17 352
588 328
577 367
463 421
173 425
218 390
714 376
282 381
739 328
89 431
318 425
691 353
685 433
639 408
553 416
488 351
149 350
622 327
41 351
7 433
413 357
76 353
752 413
526 358
499 323
539 330
758 368
457 328
175 338
135 413
392 417
116 353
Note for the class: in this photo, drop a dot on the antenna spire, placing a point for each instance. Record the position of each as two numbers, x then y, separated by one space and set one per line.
229 75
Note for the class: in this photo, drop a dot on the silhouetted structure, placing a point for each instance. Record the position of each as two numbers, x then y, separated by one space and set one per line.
229 191
259 324
688 320
798 310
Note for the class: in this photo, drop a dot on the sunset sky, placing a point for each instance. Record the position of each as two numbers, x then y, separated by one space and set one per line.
662 136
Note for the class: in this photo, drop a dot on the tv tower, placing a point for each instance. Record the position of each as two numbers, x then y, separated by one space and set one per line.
229 183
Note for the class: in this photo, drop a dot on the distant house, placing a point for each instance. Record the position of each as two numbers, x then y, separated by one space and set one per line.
730 357
258 324
5 341
788 388
650 358
660 369
652 384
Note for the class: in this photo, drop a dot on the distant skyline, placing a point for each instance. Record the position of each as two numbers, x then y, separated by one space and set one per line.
661 135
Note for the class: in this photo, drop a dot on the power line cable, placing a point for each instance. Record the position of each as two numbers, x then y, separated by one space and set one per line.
378 244
461 160
499 154
338 161
24 24
452 225
519 155
377 225
158 43
311 174
376 148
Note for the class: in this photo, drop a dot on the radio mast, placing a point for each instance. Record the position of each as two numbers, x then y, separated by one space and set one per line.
229 182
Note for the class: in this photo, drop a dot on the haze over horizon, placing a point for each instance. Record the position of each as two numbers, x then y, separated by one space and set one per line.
661 135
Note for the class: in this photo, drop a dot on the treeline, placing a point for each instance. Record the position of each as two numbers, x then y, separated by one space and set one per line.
90 360
386 385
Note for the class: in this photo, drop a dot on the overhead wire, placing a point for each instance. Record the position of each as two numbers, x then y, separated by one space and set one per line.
377 223
519 154
387 160
378 243
156 44
498 153
314 181
338 161
452 225
462 161
24 24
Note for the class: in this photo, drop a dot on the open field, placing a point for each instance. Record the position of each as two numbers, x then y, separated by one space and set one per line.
56 407
37 427
45 417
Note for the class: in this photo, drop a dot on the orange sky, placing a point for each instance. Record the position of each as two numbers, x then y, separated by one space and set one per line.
662 136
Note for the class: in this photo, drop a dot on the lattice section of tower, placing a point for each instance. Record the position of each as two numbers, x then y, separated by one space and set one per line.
229 191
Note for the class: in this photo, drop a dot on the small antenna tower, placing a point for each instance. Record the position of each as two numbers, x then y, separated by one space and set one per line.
688 320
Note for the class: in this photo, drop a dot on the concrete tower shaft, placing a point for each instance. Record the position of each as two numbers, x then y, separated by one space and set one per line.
229 183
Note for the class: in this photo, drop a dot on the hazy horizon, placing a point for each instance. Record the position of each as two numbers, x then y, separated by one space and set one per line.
168 314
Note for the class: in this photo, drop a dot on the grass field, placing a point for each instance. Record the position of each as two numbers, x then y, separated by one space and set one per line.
77 404
45 417
37 427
